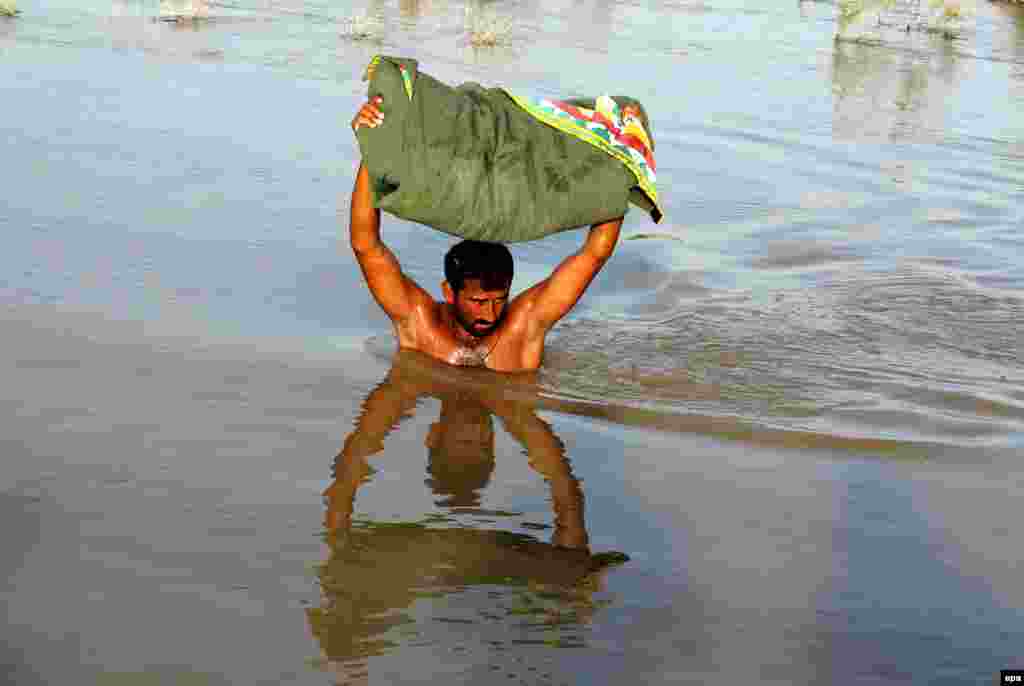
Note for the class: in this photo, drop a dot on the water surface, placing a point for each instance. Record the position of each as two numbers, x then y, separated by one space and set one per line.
784 424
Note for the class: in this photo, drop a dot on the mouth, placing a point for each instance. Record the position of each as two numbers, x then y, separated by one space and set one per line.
483 327
478 328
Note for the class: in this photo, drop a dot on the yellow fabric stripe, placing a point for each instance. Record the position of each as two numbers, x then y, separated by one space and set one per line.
590 137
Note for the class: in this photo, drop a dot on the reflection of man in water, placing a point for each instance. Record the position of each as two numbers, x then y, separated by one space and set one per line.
376 571
460 444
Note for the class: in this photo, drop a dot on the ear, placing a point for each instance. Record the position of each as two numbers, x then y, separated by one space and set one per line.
449 294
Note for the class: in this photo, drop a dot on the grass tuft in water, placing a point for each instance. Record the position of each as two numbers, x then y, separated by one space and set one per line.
183 10
856 11
361 27
943 17
485 28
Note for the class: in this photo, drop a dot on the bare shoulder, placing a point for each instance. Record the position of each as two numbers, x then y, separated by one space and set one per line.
421 318
424 310
418 296
521 310
521 345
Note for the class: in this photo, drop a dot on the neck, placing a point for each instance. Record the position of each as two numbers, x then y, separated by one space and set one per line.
455 326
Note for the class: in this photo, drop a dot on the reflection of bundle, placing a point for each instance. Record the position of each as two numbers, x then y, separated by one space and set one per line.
378 572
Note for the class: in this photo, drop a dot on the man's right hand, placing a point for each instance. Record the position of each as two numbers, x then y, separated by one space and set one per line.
369 114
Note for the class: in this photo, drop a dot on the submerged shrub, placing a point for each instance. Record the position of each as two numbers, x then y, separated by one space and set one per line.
930 16
183 10
361 27
485 28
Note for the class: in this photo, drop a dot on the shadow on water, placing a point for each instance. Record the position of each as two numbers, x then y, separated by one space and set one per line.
377 571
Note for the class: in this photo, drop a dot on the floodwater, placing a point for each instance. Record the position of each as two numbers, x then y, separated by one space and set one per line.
778 441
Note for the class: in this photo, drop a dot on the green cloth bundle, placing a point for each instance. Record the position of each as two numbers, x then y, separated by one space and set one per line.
472 162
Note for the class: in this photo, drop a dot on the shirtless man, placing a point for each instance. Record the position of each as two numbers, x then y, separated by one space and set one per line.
476 325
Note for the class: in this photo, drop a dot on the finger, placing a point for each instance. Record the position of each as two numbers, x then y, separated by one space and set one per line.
367 121
368 116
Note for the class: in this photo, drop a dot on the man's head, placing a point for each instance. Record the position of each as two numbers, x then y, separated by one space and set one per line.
478 276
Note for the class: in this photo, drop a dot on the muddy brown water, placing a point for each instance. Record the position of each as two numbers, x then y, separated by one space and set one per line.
777 441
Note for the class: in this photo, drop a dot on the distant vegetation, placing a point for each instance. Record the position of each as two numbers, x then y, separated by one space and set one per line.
183 10
362 27
946 17
8 8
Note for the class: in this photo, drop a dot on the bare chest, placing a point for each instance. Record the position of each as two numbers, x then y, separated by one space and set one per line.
502 350
445 345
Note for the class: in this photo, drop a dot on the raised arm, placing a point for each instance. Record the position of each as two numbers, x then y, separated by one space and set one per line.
556 295
394 291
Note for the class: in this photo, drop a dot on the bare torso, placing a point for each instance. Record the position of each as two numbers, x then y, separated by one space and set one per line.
515 345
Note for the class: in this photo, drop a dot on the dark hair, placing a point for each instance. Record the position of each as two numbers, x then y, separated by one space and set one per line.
457 483
461 458
491 263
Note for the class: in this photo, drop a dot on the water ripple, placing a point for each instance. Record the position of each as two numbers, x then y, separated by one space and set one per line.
919 354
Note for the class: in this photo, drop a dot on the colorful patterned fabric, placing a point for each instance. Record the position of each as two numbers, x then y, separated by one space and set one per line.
402 68
616 130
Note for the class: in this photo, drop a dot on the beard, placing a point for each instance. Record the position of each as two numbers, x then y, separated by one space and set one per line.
476 328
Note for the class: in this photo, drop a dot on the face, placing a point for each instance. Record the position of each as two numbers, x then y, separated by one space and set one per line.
479 312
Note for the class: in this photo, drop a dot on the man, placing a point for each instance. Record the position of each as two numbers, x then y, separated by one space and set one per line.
476 325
